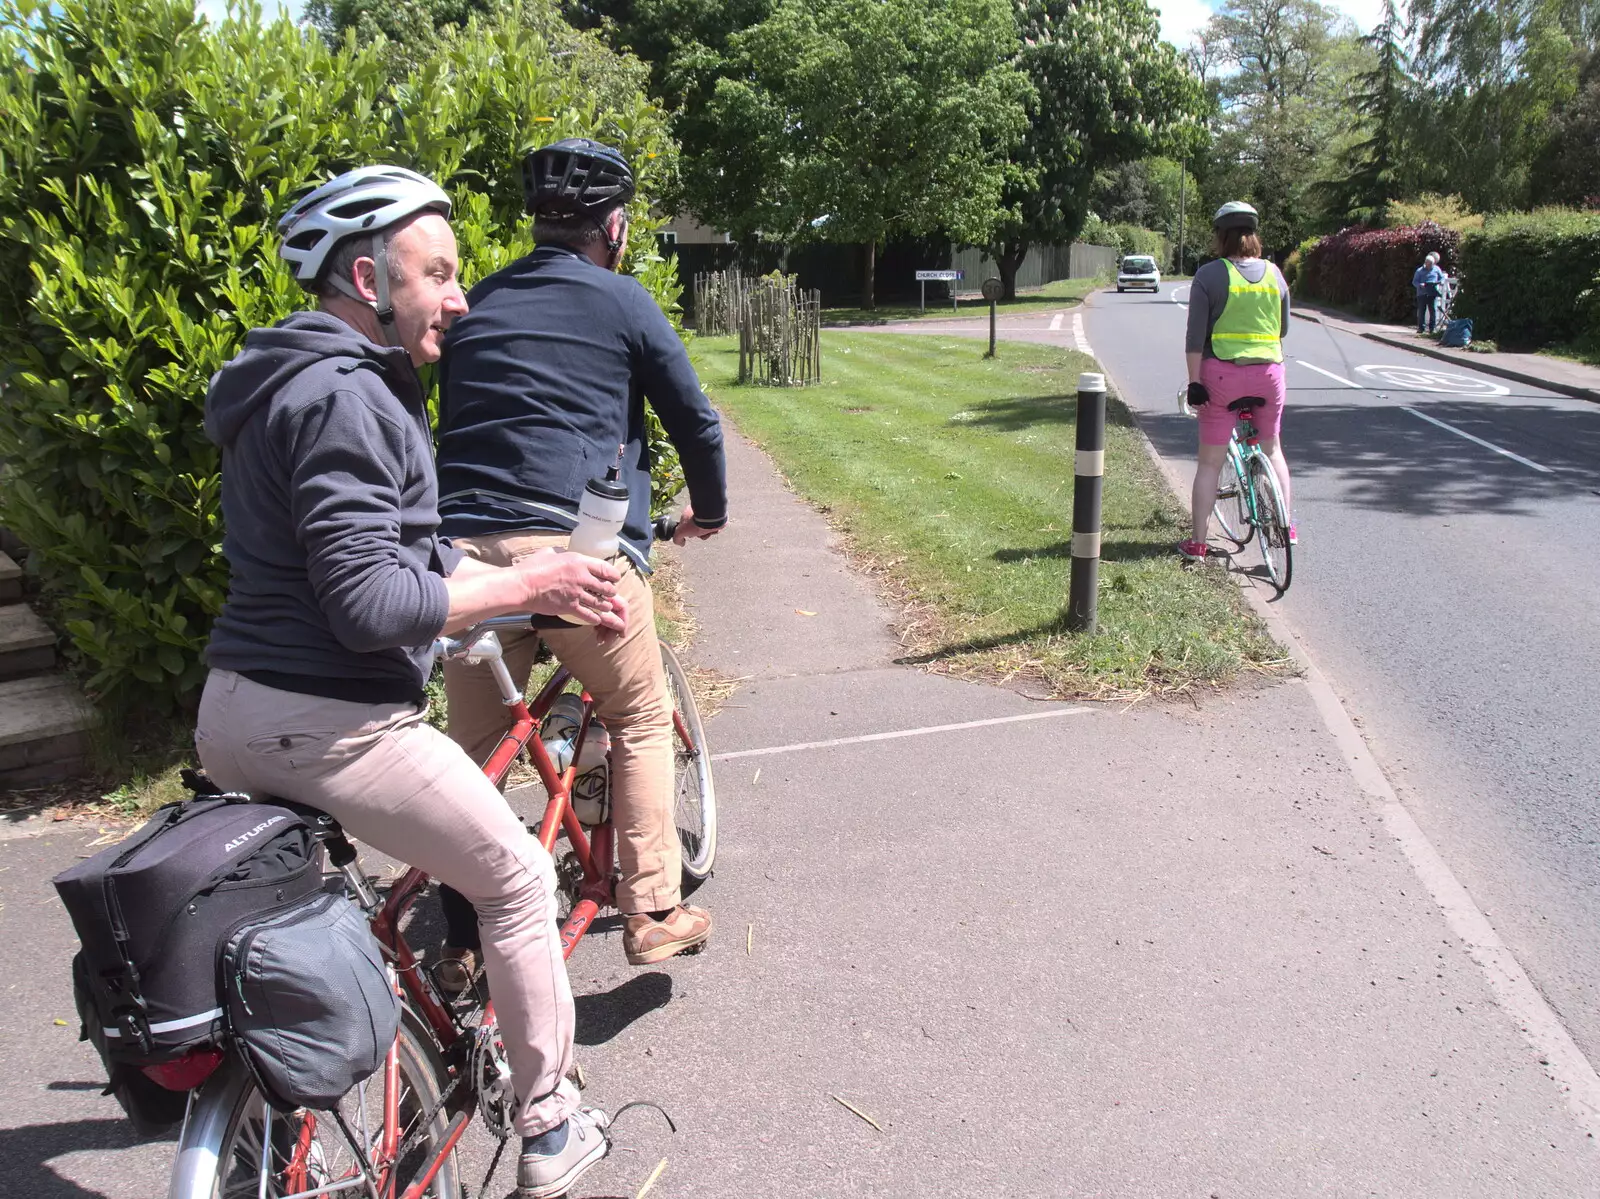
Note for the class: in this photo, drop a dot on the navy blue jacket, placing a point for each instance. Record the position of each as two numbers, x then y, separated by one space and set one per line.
541 382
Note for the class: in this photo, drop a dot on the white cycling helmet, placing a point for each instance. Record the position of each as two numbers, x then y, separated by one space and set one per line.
1236 214
366 201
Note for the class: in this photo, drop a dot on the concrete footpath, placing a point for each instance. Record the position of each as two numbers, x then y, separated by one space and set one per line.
1049 949
1535 370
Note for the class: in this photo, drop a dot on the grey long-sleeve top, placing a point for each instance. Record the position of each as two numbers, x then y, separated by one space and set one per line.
1208 294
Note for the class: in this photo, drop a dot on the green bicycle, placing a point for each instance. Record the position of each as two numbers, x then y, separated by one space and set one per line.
1253 502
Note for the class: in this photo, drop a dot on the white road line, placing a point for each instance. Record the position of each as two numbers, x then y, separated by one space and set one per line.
1184 288
1563 1061
1077 335
1488 445
1330 374
1055 321
922 732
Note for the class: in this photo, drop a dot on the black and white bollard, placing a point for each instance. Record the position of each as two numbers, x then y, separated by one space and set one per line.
1089 470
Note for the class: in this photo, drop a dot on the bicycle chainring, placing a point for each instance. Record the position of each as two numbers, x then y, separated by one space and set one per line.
497 1099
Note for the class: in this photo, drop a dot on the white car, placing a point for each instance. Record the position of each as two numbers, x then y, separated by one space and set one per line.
1138 270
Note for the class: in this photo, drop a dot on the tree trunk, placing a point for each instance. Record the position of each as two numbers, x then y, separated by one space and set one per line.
1009 260
869 268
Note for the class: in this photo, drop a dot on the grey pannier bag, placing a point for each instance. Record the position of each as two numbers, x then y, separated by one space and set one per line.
311 1005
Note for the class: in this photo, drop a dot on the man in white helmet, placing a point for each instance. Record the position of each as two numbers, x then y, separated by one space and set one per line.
340 583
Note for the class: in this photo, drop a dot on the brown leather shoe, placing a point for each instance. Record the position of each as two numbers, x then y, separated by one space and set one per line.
645 940
455 969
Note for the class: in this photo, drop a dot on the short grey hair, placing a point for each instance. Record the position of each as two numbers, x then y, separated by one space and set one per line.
341 264
1433 256
577 231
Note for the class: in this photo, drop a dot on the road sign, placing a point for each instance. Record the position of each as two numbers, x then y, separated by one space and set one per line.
993 289
926 277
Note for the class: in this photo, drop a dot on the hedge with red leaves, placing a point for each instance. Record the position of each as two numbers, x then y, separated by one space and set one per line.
1370 269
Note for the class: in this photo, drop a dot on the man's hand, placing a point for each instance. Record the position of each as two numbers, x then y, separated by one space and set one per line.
687 528
1198 395
574 587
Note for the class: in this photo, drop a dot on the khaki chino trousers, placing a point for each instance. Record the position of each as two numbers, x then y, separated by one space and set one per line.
629 686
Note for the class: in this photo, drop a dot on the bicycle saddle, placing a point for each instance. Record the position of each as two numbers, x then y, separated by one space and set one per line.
1245 403
322 824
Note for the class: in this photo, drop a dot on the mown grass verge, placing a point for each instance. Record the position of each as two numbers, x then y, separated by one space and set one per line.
951 477
1063 293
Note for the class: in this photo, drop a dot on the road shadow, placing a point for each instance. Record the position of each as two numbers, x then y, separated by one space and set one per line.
601 1017
1057 624
25 1154
1388 460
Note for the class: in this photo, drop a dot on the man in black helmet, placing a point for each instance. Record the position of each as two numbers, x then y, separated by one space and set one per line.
542 382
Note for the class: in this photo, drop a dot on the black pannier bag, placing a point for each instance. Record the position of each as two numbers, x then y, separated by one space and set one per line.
153 913
311 1005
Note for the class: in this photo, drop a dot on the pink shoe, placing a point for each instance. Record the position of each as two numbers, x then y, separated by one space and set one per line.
1193 551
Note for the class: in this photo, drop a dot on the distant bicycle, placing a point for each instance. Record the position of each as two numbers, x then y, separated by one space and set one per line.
1252 502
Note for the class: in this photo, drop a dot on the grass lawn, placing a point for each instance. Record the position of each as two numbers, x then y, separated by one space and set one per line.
1063 293
1588 355
952 478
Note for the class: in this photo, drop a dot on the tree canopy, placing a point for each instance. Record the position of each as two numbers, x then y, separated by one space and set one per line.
859 120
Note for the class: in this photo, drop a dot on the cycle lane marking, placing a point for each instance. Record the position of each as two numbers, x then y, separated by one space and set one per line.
1330 374
1055 322
1488 445
1078 335
897 734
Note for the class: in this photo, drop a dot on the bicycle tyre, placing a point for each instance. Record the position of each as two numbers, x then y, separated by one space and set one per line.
694 804
1276 552
1233 511
215 1160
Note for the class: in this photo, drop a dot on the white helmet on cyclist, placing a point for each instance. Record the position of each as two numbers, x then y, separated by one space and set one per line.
364 202
1236 214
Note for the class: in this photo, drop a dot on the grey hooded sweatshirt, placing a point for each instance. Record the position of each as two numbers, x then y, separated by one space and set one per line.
330 505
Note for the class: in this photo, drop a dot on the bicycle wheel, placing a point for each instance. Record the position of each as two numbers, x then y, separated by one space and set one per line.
1276 551
224 1155
694 805
1232 508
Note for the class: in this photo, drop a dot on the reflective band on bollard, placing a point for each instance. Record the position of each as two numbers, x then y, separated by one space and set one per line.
1089 472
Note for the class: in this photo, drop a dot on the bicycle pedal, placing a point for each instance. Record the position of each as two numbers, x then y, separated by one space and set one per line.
1227 493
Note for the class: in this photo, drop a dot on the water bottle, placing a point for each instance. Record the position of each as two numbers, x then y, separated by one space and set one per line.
559 732
601 511
591 789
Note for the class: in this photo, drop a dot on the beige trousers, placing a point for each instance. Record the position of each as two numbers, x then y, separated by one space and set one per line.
408 791
629 687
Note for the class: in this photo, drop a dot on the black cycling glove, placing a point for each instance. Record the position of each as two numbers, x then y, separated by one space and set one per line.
1198 395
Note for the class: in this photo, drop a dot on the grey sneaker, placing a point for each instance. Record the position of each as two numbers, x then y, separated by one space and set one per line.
551 1165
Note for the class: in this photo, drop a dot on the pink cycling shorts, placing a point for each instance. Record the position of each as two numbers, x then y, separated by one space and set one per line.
1229 381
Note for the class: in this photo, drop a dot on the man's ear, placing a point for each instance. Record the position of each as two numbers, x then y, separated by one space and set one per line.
366 279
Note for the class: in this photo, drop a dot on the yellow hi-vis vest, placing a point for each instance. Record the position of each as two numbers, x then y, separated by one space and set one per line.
1251 324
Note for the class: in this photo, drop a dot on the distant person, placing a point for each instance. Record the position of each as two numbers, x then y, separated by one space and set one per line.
1428 282
1238 317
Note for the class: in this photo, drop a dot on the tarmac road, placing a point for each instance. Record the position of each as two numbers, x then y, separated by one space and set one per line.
1449 588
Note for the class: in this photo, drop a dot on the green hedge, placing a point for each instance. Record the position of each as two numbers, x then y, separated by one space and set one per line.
1132 239
144 156
1532 279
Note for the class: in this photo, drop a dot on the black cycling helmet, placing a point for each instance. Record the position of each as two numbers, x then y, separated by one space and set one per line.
575 177
1236 214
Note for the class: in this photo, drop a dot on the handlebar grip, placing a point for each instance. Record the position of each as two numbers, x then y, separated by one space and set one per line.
665 528
551 622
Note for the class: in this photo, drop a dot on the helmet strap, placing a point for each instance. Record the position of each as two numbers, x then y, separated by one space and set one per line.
613 244
380 282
